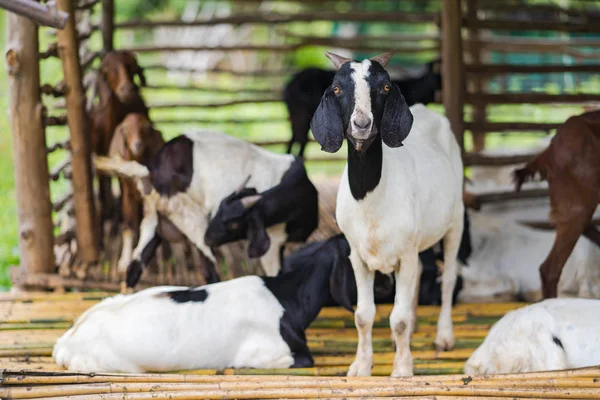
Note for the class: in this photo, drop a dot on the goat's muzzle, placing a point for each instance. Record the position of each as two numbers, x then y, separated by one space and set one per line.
361 144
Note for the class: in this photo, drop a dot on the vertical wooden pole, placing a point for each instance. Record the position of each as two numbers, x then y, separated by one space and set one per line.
83 195
30 163
478 111
453 71
108 24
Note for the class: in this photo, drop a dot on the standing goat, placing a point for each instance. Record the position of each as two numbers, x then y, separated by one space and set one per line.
399 194
571 164
304 91
248 322
245 214
187 180
135 139
118 96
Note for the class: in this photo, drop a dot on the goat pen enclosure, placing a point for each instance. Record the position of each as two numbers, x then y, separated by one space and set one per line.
223 64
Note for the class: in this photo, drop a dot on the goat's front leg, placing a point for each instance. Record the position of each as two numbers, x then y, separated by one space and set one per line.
271 260
403 315
148 239
363 316
445 334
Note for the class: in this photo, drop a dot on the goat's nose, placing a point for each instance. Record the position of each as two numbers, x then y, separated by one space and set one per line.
362 122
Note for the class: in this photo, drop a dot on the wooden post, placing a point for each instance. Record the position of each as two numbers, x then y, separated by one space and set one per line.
29 146
108 24
453 71
83 195
478 110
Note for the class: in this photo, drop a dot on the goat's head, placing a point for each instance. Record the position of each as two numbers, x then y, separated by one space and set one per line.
133 137
236 219
361 104
118 69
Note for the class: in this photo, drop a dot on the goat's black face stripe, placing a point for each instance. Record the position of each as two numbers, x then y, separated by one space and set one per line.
347 99
189 295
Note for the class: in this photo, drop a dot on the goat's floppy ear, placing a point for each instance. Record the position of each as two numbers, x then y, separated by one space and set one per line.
118 144
397 119
326 124
258 240
342 283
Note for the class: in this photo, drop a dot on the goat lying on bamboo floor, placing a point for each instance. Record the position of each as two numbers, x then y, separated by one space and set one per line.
118 96
503 265
571 165
247 322
555 334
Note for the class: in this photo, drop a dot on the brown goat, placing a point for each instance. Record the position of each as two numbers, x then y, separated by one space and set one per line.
118 96
135 139
571 164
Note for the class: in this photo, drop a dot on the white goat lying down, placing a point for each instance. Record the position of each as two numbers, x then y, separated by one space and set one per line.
503 264
552 335
251 322
400 193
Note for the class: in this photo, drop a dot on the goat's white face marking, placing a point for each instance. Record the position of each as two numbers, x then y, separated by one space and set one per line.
361 120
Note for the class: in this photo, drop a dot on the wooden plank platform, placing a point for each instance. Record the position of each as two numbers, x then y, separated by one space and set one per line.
30 323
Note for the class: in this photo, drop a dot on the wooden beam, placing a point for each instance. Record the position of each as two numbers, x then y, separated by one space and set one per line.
479 110
497 69
83 201
108 24
535 98
498 197
453 72
512 126
32 187
480 159
278 18
510 25
45 15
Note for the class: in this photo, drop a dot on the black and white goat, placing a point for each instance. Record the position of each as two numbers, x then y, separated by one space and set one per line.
245 213
247 322
399 194
303 93
337 250
187 180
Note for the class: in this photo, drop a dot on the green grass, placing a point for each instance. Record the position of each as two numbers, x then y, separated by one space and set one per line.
51 73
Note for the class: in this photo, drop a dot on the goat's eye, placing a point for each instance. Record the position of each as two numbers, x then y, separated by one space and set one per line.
386 88
336 89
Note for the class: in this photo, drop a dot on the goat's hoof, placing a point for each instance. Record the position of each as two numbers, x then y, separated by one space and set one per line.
444 342
405 370
360 367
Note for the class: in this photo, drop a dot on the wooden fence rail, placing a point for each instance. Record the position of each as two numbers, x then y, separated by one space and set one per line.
42 14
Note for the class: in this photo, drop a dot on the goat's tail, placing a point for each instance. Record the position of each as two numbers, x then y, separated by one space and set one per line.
120 167
538 165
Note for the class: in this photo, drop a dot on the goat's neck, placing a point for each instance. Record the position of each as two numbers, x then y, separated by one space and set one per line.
364 169
302 292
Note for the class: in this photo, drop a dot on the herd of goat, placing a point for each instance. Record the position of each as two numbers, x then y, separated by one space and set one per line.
407 236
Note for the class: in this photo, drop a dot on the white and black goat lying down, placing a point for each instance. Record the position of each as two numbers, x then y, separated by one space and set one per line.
504 263
554 334
400 193
246 213
248 322
187 180
303 92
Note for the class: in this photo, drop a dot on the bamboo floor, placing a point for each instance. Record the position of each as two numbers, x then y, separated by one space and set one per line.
31 322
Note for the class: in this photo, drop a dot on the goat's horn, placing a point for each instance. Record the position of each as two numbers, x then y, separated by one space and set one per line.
338 61
384 58
243 185
250 201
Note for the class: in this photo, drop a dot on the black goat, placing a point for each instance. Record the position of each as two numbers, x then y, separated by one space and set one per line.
245 214
303 93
